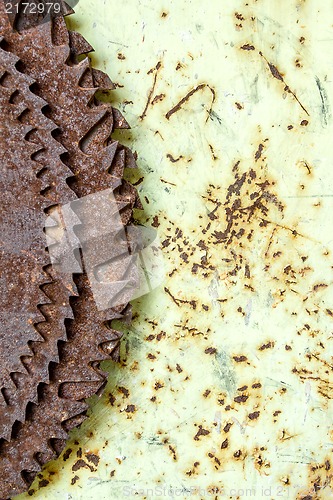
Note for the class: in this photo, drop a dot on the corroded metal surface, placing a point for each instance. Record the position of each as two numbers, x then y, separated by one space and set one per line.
97 162
33 306
226 379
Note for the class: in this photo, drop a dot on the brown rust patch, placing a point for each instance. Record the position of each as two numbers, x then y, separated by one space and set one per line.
67 454
157 98
182 101
278 75
130 409
93 457
172 159
201 432
241 399
154 70
81 464
247 46
210 350
254 415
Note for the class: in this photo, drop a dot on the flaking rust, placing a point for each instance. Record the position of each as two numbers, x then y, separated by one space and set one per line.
55 392
27 277
229 365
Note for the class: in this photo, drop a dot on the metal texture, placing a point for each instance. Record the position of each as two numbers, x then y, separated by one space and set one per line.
84 127
225 387
33 306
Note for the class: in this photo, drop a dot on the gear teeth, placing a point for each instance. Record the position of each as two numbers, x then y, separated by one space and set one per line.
67 10
79 70
119 120
78 44
102 80
16 376
85 127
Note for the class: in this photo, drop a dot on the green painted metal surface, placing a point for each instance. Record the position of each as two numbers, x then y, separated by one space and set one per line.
225 386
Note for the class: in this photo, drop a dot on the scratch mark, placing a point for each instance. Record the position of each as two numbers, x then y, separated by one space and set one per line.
293 231
276 73
180 301
324 101
172 159
167 182
157 67
118 43
179 105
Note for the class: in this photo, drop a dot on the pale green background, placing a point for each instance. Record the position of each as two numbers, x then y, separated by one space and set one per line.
285 452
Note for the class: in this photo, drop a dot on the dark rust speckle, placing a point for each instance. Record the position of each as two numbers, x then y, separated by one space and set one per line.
201 432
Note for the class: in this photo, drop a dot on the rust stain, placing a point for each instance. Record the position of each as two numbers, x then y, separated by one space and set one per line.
276 74
154 70
179 105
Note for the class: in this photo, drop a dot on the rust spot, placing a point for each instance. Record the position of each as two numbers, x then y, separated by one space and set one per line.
227 427
81 464
210 350
269 345
120 56
112 399
74 479
201 432
259 152
225 444
157 98
240 359
92 457
239 16
173 451
243 388
241 399
138 181
123 391
67 454
247 47
155 222
275 72
130 409
254 415
172 159
43 483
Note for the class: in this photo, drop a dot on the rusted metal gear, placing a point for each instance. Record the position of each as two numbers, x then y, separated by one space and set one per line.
32 305
48 54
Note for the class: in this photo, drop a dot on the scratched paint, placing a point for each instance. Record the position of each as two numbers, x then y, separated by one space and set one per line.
226 380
